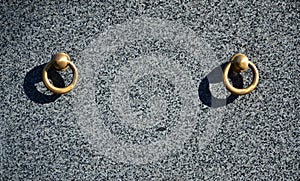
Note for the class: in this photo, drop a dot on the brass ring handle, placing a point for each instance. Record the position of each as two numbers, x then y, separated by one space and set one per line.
60 62
239 63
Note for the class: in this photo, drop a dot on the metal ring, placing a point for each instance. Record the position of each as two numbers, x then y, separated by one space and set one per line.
67 62
244 90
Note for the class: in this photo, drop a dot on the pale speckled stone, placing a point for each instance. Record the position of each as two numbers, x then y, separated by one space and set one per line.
256 140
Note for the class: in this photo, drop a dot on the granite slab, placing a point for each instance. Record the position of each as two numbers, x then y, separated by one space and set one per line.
150 103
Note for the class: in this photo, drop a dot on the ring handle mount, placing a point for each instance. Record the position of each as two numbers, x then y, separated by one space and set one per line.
238 64
60 61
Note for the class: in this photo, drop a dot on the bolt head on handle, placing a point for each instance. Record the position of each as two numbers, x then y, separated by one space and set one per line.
239 63
60 61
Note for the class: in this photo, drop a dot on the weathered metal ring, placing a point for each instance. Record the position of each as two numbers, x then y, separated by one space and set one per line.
60 61
237 60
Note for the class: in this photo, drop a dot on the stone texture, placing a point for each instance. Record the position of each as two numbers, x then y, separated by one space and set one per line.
256 136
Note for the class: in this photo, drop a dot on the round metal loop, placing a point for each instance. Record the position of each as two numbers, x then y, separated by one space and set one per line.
244 90
61 61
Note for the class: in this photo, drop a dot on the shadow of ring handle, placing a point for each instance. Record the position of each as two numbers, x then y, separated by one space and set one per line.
240 63
60 62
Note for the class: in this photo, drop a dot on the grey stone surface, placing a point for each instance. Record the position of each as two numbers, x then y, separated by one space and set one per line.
150 103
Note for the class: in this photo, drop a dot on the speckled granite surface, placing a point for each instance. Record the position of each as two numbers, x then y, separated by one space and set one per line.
150 103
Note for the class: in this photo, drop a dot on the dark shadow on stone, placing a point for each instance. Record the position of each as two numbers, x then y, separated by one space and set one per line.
33 77
216 76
